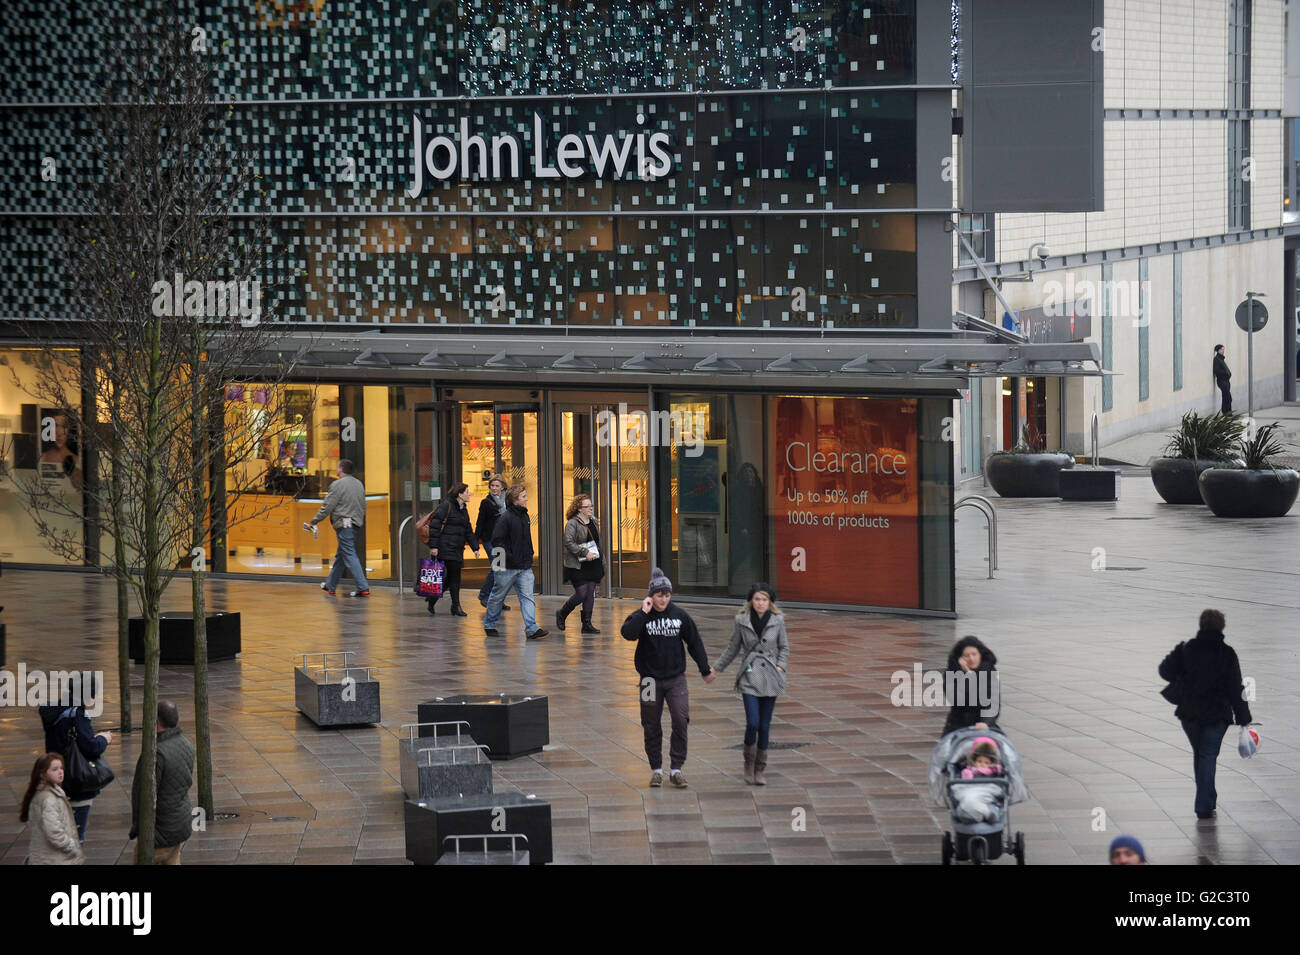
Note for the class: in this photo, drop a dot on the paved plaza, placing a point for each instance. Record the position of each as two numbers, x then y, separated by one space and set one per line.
1077 649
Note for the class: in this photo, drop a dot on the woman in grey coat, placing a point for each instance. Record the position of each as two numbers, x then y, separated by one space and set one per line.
583 565
759 634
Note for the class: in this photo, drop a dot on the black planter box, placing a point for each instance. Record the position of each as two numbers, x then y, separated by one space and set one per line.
439 772
176 638
324 701
1237 492
1026 475
1175 479
1079 484
429 822
509 726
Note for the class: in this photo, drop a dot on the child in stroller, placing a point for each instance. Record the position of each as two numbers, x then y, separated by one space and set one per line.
981 803
975 772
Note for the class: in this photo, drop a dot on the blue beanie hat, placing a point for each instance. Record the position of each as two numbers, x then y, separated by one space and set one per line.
659 582
1128 842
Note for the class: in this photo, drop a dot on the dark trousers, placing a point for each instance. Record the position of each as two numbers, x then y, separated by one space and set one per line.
654 693
81 815
485 591
450 582
1226 405
584 592
758 719
1206 739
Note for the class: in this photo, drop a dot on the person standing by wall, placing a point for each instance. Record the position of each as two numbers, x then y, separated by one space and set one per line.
1205 683
345 506
513 538
663 633
173 820
758 634
1222 377
59 723
583 565
489 511
53 839
448 531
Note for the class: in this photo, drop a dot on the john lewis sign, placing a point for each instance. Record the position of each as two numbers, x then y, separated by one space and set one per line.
500 156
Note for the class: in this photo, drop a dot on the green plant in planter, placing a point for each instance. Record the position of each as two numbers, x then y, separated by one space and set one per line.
1254 485
1206 437
1258 453
1032 441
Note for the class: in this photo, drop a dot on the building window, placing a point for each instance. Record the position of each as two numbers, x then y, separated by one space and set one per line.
978 230
1239 13
1238 174
1178 321
1107 338
1144 333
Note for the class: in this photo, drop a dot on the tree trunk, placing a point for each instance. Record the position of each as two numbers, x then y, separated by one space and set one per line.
202 731
123 590
147 811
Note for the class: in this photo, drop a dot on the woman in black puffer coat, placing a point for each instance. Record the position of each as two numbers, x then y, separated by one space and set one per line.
1205 677
970 655
449 530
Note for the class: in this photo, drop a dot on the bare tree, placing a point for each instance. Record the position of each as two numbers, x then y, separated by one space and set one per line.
165 256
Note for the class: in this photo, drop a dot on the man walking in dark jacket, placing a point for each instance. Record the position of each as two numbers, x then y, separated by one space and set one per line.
664 632
1221 378
1208 688
173 819
512 560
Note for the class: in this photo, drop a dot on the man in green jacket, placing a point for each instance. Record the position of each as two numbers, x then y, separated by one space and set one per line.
173 820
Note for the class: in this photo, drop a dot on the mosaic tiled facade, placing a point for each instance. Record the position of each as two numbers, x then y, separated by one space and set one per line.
777 193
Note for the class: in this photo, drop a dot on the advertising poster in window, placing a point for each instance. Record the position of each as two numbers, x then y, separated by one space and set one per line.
845 500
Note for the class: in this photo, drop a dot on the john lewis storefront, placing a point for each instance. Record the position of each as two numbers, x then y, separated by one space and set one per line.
496 223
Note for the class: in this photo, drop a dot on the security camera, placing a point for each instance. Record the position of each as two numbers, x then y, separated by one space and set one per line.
1040 250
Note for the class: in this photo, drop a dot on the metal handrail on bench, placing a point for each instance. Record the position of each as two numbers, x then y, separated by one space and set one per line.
985 507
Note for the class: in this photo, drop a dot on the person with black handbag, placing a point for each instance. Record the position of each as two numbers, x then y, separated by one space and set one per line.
68 731
584 567
447 531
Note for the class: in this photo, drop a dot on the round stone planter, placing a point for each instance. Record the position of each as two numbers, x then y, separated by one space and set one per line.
1026 475
1236 492
1176 478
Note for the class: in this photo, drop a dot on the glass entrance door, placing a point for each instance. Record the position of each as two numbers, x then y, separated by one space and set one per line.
604 453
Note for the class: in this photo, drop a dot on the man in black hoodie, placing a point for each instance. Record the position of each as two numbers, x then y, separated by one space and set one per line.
661 628
1205 678
1222 376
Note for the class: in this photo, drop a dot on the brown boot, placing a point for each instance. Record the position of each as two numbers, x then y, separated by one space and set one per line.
750 752
760 764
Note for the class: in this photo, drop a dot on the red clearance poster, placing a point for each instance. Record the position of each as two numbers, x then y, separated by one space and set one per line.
845 500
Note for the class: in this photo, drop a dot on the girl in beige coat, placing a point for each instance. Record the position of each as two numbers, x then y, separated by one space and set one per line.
53 829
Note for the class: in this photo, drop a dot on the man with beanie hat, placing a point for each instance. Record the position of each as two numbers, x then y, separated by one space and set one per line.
661 628
1126 850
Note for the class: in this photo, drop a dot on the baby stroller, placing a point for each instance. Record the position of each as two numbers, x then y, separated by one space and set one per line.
981 817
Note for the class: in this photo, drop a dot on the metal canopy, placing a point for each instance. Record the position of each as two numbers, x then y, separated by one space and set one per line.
928 363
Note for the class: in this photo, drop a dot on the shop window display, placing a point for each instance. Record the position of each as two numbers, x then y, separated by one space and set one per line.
39 447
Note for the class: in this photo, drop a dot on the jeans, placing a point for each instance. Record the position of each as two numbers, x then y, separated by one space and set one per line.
81 814
673 692
522 583
347 555
758 719
485 591
1206 738
584 592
